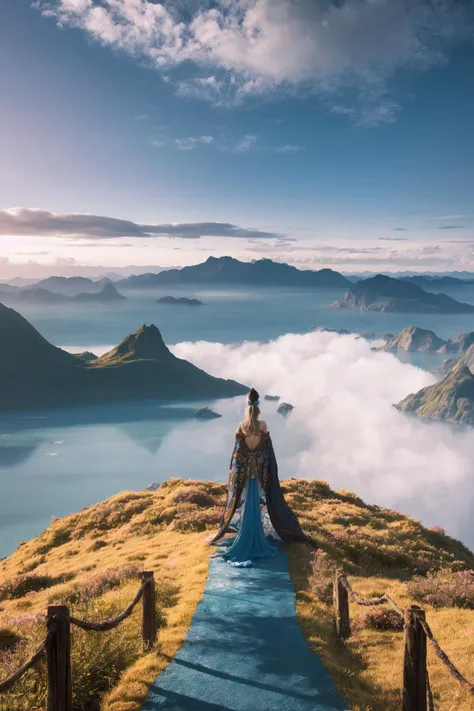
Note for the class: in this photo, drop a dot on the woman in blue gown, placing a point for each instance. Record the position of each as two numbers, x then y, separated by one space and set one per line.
255 507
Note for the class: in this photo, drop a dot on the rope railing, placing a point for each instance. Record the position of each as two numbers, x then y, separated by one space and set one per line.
371 601
57 643
8 683
446 660
112 623
417 692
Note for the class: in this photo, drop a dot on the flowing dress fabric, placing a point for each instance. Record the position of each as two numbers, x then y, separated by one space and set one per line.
255 507
250 543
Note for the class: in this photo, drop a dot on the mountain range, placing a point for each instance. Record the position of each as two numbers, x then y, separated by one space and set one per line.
42 296
437 282
383 293
451 399
422 340
36 374
72 285
227 270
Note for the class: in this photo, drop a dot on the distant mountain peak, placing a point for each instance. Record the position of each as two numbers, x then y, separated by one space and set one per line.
384 293
145 344
449 400
415 339
217 271
36 374
109 290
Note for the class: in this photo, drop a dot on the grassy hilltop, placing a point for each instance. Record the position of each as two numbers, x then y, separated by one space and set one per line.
91 561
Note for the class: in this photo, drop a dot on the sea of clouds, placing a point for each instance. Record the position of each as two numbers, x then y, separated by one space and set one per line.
344 428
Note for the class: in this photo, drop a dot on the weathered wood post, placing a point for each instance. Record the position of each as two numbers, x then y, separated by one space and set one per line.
149 612
58 654
341 608
414 665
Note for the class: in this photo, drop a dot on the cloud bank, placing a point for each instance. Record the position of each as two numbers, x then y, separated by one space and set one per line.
251 47
29 222
344 428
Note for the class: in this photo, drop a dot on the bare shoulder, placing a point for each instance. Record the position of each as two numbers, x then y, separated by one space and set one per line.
263 426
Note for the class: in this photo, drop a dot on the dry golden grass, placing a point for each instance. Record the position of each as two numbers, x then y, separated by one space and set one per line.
130 531
165 531
368 667
190 575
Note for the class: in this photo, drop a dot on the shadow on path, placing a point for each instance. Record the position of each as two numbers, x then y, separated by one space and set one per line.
245 650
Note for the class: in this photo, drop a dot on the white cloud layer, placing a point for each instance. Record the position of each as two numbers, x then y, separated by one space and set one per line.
250 47
345 427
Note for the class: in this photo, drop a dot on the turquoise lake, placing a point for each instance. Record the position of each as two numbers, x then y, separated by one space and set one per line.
54 463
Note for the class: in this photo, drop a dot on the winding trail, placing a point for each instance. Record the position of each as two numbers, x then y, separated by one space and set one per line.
245 650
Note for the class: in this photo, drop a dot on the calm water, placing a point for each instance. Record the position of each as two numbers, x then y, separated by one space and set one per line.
55 463
228 317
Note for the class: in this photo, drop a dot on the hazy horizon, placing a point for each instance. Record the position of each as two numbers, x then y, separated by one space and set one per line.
31 272
321 134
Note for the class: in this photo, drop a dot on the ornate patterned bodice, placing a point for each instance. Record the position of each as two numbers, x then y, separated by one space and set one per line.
248 461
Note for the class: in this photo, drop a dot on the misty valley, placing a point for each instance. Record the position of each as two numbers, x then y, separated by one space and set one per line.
344 428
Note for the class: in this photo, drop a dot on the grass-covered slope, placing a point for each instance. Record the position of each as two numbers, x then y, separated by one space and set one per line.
90 560
33 372
449 400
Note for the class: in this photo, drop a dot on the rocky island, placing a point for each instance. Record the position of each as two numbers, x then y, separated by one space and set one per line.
36 374
386 294
205 413
421 340
181 301
449 400
414 340
285 408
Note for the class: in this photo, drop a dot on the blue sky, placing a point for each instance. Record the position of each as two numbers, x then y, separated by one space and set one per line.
317 132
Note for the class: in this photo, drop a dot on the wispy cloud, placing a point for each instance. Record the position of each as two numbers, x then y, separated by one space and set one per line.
393 239
452 217
157 144
451 227
189 144
370 108
289 148
31 222
232 50
245 143
400 229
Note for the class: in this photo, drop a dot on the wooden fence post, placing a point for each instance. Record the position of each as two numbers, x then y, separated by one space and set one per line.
59 659
341 609
149 612
414 666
